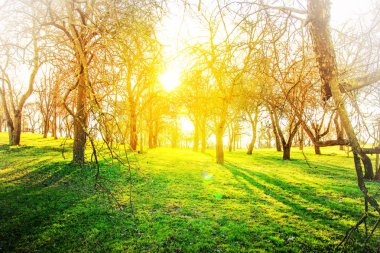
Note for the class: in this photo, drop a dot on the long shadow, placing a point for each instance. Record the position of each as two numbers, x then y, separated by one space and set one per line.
305 192
28 206
286 198
51 209
20 160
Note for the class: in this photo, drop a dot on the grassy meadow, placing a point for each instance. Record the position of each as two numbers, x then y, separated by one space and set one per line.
182 201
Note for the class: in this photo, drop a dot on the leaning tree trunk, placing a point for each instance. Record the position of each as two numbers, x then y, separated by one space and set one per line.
275 131
319 17
254 128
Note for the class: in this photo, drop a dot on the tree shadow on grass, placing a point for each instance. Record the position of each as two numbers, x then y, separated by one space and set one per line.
310 208
54 208
27 205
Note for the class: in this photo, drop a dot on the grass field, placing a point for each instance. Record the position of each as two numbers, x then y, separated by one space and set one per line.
182 201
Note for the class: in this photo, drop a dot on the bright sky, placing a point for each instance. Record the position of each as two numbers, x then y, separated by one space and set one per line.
346 10
178 29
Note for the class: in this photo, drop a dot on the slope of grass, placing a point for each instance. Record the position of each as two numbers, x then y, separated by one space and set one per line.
183 202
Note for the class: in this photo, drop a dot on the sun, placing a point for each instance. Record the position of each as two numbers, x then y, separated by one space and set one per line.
170 80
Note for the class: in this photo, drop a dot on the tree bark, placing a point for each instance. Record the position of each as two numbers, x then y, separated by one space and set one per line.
54 121
150 136
301 140
133 125
196 135
368 169
175 136
46 126
254 129
286 153
275 132
15 133
204 136
317 147
230 137
80 122
219 143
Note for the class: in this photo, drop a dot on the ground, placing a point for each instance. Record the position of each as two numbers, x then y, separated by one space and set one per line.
182 201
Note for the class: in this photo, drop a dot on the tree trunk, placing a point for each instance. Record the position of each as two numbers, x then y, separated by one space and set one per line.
368 169
269 138
54 122
219 143
230 137
252 143
254 130
155 135
277 139
377 176
15 130
250 147
46 126
175 136
275 132
317 147
204 136
150 136
80 122
142 137
196 135
301 140
286 153
133 125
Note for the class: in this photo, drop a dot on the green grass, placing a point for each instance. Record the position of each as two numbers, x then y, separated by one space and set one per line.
183 201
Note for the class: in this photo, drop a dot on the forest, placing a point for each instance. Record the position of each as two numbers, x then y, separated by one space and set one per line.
189 126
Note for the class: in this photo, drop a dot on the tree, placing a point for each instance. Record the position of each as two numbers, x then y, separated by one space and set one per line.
138 55
194 95
13 104
87 32
318 16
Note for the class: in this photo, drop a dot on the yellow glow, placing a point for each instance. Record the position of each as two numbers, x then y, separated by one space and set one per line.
186 125
170 80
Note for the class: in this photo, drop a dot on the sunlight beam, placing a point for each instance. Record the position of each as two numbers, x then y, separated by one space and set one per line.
170 80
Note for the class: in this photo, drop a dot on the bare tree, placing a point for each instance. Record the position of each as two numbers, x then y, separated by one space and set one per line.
12 101
318 16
